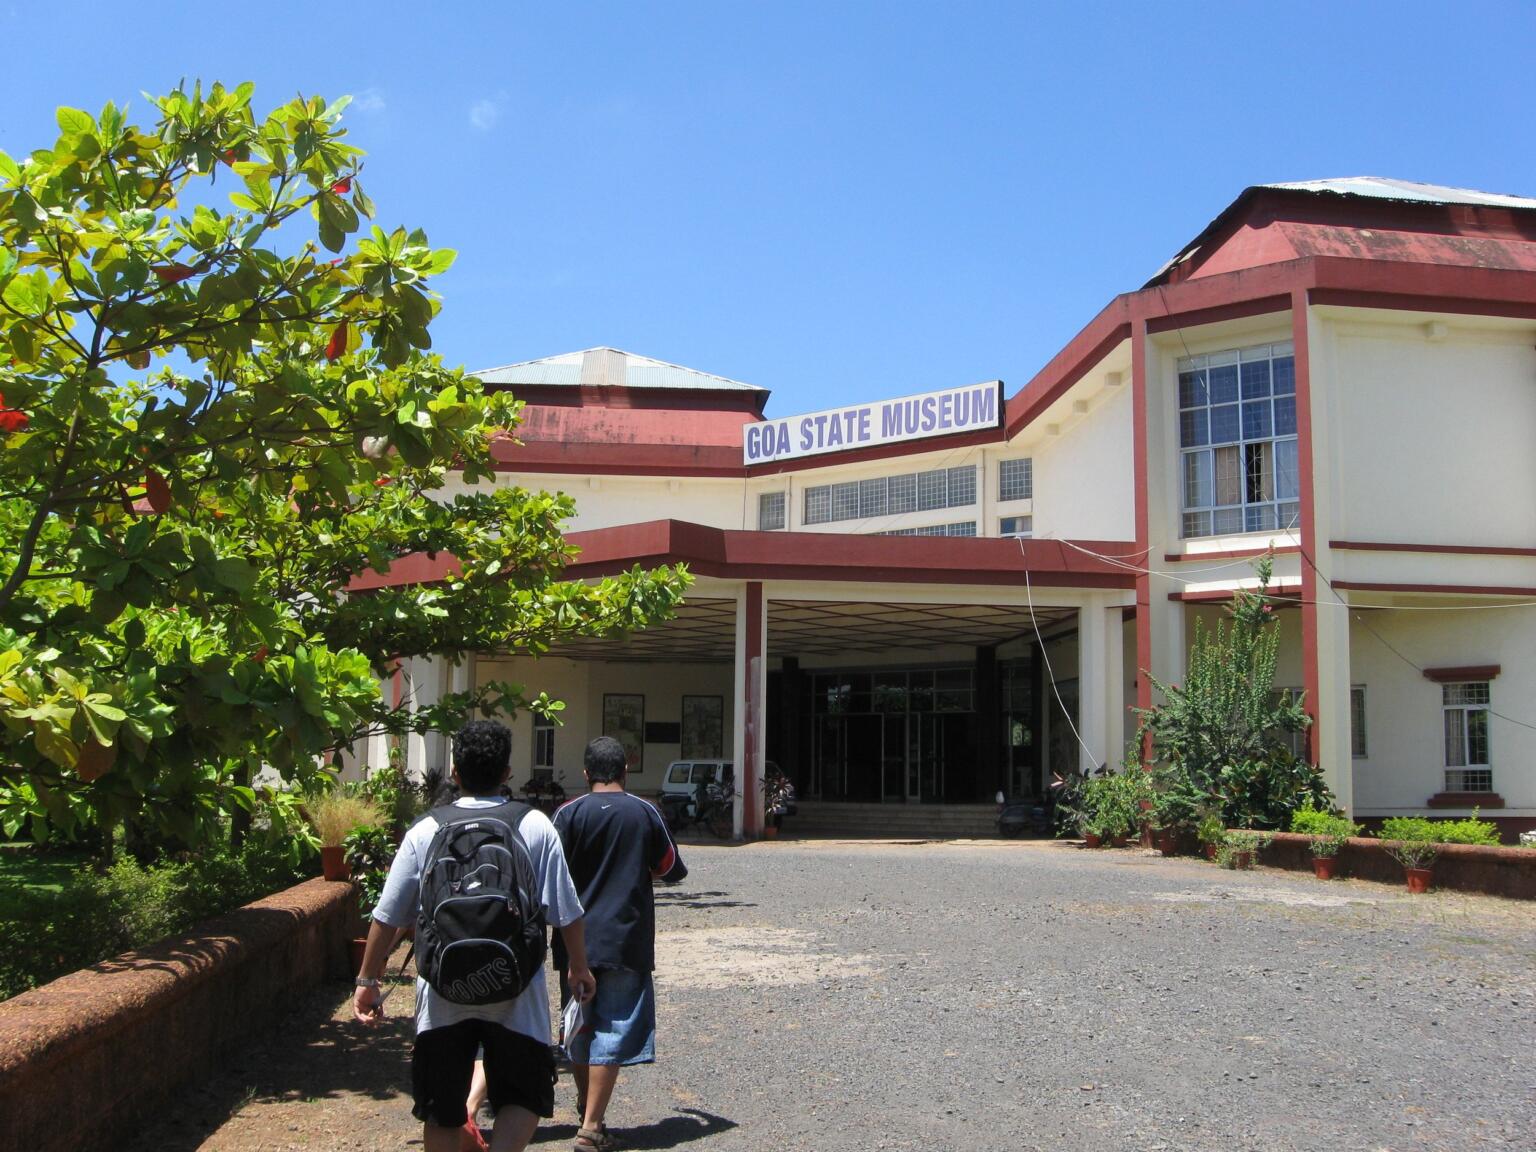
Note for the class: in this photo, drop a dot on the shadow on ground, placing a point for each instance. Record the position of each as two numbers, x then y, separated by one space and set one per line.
684 898
308 1057
682 1127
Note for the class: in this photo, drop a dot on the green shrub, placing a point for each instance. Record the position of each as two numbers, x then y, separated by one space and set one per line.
94 916
1240 847
1212 829
1328 830
1469 831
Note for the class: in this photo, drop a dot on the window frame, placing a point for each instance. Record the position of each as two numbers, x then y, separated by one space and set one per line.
1249 457
763 498
543 743
1025 480
1466 708
1026 533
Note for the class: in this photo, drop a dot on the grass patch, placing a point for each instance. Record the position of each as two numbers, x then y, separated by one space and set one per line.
26 867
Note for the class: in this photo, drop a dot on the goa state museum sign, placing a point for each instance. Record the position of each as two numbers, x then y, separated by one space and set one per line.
882 422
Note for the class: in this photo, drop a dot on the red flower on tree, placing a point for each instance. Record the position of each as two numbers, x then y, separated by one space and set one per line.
171 273
12 419
342 186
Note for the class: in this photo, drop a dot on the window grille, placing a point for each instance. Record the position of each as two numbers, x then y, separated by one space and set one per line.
770 511
1016 479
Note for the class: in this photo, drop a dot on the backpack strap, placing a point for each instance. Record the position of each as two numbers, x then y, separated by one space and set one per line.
512 811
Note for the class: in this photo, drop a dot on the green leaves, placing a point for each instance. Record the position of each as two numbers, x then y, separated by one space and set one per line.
177 547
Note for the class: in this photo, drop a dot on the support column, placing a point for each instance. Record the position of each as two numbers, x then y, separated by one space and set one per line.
751 691
1092 687
1114 684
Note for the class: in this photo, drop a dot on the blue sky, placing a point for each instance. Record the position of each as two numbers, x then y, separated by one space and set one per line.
839 202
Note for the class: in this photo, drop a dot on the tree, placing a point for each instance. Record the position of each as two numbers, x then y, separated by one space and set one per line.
215 413
1222 739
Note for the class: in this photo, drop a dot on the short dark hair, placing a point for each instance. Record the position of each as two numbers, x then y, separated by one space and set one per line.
604 761
482 756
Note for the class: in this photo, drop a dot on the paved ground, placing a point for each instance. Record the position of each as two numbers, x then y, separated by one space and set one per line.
1003 996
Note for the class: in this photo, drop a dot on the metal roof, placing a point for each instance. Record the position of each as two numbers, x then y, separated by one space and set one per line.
611 368
1385 188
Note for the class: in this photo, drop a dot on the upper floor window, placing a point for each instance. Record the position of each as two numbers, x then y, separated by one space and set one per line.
964 528
1017 527
1016 479
770 511
1468 762
1237 441
891 495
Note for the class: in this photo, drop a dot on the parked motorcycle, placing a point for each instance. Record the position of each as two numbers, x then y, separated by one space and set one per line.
1036 817
712 805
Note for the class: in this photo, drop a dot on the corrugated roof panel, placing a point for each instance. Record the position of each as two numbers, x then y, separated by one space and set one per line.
611 368
1385 188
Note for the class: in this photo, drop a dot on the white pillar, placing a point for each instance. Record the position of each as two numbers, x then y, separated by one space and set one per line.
749 734
1113 702
1092 687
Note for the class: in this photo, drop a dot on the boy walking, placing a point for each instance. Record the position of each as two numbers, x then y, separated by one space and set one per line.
514 1032
616 844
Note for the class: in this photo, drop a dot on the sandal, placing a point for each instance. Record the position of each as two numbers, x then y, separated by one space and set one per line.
594 1140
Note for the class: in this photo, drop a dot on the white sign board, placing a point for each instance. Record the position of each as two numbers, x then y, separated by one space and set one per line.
881 422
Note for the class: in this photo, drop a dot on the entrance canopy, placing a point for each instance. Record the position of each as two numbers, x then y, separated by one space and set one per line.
704 630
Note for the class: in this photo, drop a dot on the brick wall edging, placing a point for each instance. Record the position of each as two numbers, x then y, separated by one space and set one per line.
107 1045
1494 871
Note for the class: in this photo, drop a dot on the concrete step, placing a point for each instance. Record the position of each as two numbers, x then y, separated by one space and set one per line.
900 821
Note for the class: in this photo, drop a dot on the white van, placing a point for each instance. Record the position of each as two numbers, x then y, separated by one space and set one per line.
684 776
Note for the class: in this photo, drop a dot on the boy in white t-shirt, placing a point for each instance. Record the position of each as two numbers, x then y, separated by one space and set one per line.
514 1033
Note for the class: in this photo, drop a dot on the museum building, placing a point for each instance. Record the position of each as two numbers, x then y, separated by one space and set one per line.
926 600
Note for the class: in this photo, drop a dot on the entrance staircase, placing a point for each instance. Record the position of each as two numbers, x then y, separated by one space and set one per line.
828 819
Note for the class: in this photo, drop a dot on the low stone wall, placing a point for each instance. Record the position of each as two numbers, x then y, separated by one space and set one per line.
1462 867
87 1058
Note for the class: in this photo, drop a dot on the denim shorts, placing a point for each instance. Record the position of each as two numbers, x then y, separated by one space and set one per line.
620 1025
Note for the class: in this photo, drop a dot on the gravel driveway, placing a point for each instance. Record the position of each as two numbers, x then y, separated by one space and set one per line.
981 995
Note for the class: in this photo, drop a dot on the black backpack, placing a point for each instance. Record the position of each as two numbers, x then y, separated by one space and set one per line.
480 931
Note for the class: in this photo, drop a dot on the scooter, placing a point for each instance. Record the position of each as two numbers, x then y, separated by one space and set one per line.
1016 817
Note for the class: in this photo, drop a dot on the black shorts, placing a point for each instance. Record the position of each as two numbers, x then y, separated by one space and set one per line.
518 1070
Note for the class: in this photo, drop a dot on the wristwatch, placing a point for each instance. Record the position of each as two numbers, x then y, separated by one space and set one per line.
365 982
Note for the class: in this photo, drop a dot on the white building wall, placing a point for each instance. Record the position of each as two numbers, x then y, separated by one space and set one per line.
581 685
1405 761
1434 427
1085 477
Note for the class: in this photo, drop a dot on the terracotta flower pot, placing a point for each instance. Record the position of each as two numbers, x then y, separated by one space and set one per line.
1168 842
1120 840
1210 851
770 831
1323 866
1091 840
333 863
1242 859
1418 879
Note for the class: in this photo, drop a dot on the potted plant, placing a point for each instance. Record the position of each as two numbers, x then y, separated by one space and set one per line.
332 815
1328 831
1211 831
1176 806
369 851
1240 848
1092 803
1413 843
778 800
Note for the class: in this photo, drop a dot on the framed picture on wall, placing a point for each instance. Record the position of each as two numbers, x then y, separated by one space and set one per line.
624 720
703 736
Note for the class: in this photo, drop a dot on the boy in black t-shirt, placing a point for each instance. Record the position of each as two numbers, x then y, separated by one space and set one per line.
615 846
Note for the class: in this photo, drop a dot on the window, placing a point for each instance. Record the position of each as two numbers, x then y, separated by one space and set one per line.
1297 741
963 528
678 773
1357 747
1468 764
543 742
1237 439
770 511
1016 479
818 504
890 495
1018 527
